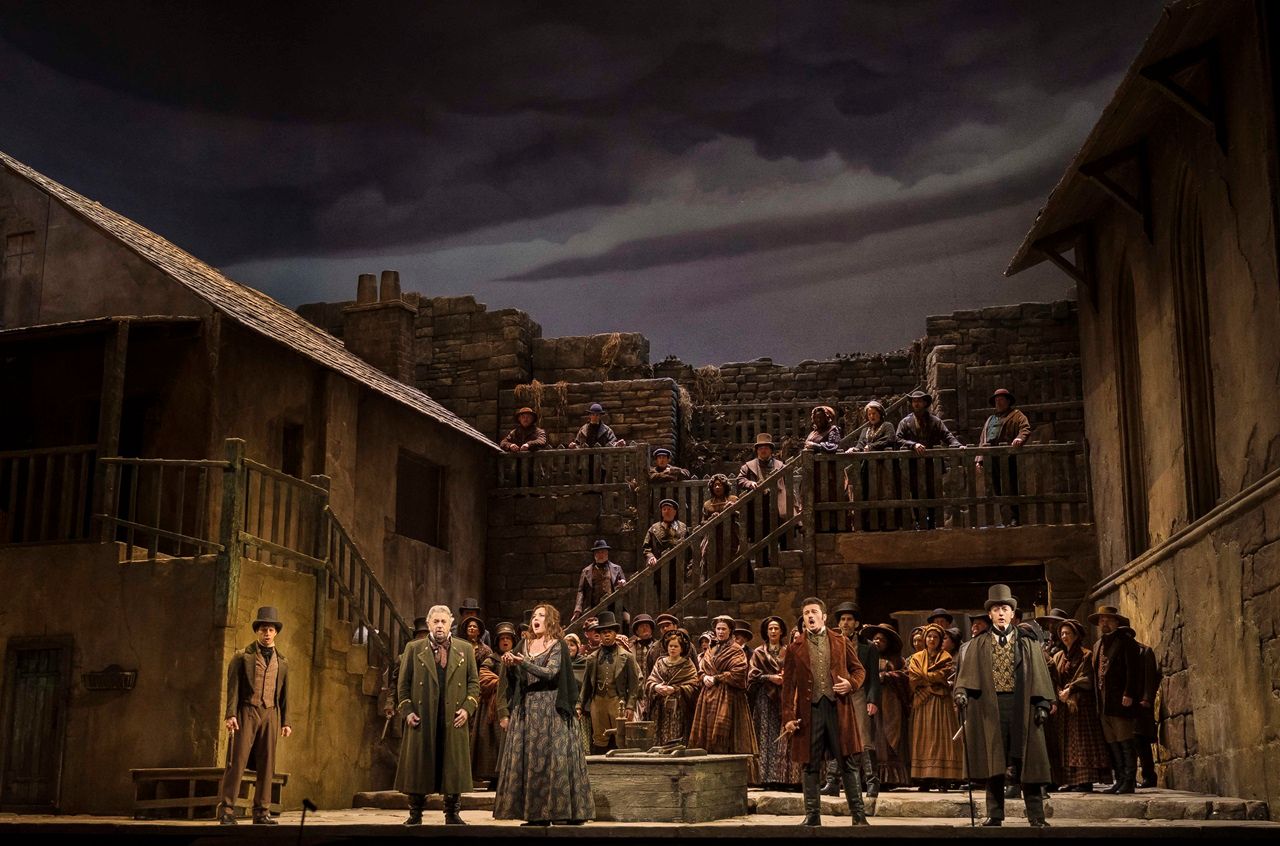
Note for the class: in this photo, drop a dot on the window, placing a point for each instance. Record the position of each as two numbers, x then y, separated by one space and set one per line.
1132 455
19 254
421 512
291 449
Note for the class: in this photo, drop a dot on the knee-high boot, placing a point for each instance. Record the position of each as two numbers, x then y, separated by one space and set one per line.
853 790
832 787
1034 797
1116 752
1147 760
870 774
810 782
1129 761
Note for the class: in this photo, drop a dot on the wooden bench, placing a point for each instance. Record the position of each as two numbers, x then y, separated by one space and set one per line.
192 792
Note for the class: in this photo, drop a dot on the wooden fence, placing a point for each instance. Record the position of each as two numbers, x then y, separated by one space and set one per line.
46 495
573 469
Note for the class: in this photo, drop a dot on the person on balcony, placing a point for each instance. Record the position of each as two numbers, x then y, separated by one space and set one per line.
598 579
918 431
722 717
877 435
610 685
1118 688
664 535
1007 427
663 470
527 436
776 505
595 432
824 431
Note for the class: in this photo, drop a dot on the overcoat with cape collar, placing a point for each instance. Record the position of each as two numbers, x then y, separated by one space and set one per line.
984 747
797 691
419 693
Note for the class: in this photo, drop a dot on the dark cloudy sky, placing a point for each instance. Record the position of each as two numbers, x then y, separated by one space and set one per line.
734 179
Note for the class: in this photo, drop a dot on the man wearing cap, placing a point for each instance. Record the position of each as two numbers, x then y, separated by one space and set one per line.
866 699
1118 688
438 695
595 432
665 533
1004 694
642 644
527 436
918 431
257 700
470 607
820 672
1007 427
610 684
663 470
598 579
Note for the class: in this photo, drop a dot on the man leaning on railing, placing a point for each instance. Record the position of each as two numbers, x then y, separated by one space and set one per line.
918 431
1007 427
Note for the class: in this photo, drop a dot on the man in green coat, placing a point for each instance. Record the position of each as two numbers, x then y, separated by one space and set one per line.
1004 694
438 692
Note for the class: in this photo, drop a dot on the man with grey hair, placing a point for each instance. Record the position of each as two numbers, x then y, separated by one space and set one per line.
438 693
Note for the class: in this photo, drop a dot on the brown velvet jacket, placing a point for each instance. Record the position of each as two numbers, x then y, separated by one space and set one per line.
797 692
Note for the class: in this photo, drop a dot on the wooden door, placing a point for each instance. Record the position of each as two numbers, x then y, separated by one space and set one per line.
37 679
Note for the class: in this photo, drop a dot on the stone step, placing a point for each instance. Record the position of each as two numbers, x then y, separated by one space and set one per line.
791 559
716 607
1153 804
769 576
744 593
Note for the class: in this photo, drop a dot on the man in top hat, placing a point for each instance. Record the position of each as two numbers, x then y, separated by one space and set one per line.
439 693
470 607
663 470
1004 693
665 533
257 713
866 699
527 436
642 644
742 635
1118 687
610 684
1007 427
595 432
819 675
918 431
598 579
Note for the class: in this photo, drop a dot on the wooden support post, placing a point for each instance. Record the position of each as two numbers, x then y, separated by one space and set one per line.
226 584
110 409
320 550
809 525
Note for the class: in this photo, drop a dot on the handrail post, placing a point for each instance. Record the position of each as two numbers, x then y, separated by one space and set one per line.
226 584
320 547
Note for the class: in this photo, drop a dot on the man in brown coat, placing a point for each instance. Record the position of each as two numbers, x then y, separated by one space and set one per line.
1007 427
918 431
257 700
527 436
1118 687
820 672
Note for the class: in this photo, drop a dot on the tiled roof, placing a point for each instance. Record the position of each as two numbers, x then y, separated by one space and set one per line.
251 309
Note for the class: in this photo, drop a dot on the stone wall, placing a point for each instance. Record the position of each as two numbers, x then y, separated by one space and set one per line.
592 358
762 380
1007 333
639 410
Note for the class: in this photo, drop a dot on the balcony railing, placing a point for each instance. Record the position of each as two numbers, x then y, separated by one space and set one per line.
46 495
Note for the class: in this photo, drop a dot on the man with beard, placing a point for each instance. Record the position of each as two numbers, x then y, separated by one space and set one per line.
1118 687
438 694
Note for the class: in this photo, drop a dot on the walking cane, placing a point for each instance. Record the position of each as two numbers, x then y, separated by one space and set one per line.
307 805
968 772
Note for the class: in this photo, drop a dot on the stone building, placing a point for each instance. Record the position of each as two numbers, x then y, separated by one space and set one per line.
176 450
1166 219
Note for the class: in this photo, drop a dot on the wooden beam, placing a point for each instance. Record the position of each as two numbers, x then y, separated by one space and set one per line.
1101 172
115 356
226 585
1054 247
1161 74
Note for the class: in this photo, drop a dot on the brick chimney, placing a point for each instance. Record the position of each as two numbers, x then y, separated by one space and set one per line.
379 326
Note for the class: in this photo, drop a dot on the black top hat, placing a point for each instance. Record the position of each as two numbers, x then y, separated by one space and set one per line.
470 604
267 616
420 626
741 627
999 595
670 502
928 398
605 621
940 612
890 633
662 451
1002 392
764 628
765 439
846 608
600 544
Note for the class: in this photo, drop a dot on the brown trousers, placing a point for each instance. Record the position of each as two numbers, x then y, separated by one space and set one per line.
863 719
255 741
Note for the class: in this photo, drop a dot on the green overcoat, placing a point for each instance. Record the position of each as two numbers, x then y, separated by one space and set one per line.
984 747
418 692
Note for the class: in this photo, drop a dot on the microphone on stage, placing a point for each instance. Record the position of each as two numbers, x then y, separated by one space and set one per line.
307 805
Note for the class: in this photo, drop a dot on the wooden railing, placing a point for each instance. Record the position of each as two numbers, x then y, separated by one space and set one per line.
719 552
46 495
894 411
283 518
1048 390
733 427
163 507
360 596
1035 484
573 469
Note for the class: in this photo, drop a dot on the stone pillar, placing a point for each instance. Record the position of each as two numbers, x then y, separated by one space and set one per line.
380 329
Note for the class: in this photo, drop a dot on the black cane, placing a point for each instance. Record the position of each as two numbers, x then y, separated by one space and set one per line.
968 772
307 805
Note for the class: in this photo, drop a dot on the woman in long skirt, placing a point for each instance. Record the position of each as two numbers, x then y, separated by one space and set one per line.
764 692
935 757
891 722
542 776
1084 758
672 688
579 655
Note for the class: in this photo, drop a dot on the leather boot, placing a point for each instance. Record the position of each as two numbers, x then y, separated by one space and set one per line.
1117 767
853 790
452 806
263 818
995 801
1011 790
416 803
1129 760
870 773
809 782
1148 762
1034 797
832 787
